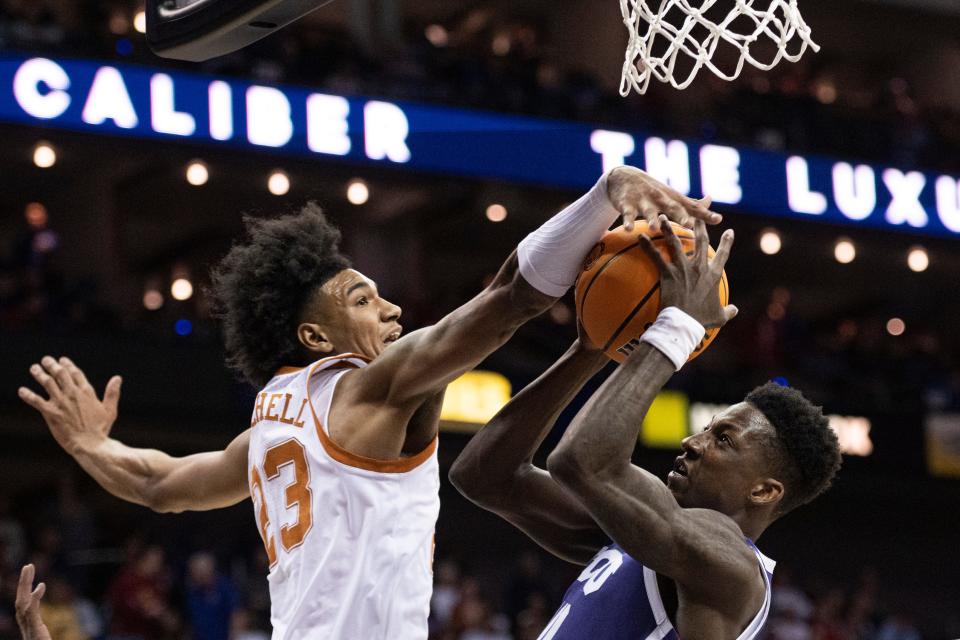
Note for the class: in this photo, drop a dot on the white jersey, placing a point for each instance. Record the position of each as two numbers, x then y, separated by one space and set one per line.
349 539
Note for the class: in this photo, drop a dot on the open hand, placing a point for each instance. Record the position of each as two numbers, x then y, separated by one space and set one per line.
691 283
28 606
636 194
77 418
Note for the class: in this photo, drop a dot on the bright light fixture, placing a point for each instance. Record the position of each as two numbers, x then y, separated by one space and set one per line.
279 183
181 289
197 173
896 326
496 213
918 260
140 21
358 192
770 242
844 251
44 155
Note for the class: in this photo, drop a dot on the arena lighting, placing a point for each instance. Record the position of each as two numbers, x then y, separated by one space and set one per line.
197 173
437 35
918 260
496 213
501 44
36 215
844 251
183 327
358 192
473 399
896 326
140 21
770 242
181 289
44 155
152 299
278 183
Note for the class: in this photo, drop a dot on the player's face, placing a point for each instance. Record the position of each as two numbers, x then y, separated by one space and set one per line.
355 318
719 467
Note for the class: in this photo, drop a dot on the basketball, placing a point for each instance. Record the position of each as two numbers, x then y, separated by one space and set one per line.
618 291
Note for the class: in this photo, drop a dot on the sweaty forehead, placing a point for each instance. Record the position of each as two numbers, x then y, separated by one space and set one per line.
746 417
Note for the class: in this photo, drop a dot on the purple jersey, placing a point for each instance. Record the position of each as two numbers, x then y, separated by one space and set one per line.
617 598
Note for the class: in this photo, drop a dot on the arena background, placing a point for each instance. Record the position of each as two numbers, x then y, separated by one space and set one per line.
90 247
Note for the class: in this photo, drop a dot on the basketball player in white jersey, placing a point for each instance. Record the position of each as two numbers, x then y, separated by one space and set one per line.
662 560
340 457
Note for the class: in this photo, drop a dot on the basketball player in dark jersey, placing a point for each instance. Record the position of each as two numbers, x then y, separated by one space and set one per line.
663 560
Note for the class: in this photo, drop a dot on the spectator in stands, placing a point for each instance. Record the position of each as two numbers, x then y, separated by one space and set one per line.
898 627
446 595
212 601
139 598
59 611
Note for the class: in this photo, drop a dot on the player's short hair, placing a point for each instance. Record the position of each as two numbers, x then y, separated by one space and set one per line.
805 453
259 289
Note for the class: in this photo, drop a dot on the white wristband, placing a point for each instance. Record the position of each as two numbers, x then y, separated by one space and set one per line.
675 334
551 257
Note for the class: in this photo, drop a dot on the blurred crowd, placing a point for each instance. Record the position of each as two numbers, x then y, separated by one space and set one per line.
491 59
847 357
34 293
145 590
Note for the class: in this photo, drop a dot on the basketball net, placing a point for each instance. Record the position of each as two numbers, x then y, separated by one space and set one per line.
780 22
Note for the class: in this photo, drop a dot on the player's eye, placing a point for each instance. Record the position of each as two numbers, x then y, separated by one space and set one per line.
724 438
363 301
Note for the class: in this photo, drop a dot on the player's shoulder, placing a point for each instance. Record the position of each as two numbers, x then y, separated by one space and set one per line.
713 540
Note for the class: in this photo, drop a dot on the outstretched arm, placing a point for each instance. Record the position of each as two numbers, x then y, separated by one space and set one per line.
81 423
544 266
496 471
699 548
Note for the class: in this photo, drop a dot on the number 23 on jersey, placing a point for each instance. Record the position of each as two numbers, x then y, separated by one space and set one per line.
297 496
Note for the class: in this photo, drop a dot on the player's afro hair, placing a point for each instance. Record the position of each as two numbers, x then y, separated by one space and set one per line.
806 452
260 287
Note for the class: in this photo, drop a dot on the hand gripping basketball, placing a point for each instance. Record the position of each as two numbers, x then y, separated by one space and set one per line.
618 293
690 283
637 195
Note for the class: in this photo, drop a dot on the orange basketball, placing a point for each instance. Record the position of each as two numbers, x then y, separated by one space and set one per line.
618 291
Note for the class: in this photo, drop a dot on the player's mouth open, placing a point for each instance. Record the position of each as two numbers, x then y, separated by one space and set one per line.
393 337
680 467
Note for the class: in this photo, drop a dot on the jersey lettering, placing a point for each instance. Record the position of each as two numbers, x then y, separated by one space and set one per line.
603 565
297 496
278 408
263 518
297 493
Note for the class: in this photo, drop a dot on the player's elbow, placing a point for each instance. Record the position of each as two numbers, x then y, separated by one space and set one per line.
466 477
157 498
566 468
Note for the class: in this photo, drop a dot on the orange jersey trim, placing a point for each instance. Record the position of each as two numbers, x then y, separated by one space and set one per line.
285 370
343 456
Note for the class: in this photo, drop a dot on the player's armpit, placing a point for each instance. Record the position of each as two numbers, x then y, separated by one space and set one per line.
551 517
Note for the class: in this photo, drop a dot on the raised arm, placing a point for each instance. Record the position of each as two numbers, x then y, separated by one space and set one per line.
699 548
496 471
542 268
80 422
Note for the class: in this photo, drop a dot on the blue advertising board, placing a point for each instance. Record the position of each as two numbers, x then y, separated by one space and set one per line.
128 100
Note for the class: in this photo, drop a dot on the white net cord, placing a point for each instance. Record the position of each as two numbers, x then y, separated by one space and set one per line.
779 22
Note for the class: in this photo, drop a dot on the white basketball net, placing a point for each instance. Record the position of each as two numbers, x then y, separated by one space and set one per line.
779 21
